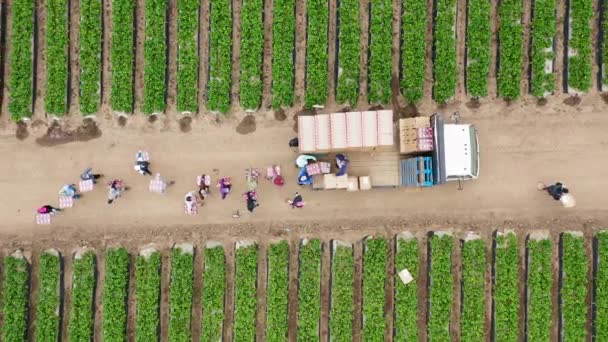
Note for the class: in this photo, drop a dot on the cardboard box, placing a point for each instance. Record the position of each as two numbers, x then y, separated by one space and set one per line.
353 183
365 183
342 181
318 182
329 181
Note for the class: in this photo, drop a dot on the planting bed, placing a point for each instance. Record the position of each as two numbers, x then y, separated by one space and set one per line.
155 50
444 51
349 47
578 31
122 55
56 96
354 291
283 45
478 47
381 15
252 46
220 56
510 51
413 46
90 56
316 53
21 59
187 54
542 50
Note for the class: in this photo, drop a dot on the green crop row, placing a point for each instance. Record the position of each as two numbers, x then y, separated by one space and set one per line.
21 59
441 287
473 290
115 295
406 296
15 299
283 39
380 47
539 290
413 49
147 292
245 285
374 282
543 33
180 294
56 96
444 68
80 327
278 292
347 90
574 288
601 288
341 312
122 54
212 298
220 55
47 306
90 56
579 65
316 53
506 288
187 54
155 59
309 291
478 47
510 37
252 50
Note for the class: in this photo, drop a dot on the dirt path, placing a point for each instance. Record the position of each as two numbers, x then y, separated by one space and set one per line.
423 286
488 290
398 100
74 56
267 59
140 27
236 54
389 292
522 281
300 53
39 60
493 72
7 24
34 288
131 304
595 67
165 285
364 56
526 26
204 55
558 61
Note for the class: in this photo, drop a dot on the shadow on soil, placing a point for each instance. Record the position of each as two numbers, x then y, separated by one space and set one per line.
247 125
57 135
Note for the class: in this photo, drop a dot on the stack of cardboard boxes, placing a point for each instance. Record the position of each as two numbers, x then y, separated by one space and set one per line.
415 135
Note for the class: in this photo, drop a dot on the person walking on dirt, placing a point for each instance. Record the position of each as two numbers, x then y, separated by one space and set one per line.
48 209
556 190
116 188
204 181
89 175
297 202
225 186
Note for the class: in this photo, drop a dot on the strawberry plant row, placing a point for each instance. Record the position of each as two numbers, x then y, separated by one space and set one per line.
413 49
573 292
56 96
180 294
541 59
115 288
473 290
220 56
147 292
478 47
601 287
21 59
278 292
155 61
48 300
187 55
213 292
539 290
122 54
90 56
309 291
316 53
510 37
283 40
245 280
506 288
375 258
341 312
406 296
579 44
380 51
252 51
441 287
15 298
444 67
349 36
80 327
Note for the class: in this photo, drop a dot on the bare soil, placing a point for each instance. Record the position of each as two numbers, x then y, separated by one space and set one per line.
185 124
332 52
267 61
300 52
203 54
236 53
558 61
74 36
364 54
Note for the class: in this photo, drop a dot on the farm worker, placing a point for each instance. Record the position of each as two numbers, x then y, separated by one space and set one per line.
190 201
203 186
303 177
342 163
116 188
69 190
305 159
47 209
225 186
89 175
142 165
252 201
559 193
252 179
297 202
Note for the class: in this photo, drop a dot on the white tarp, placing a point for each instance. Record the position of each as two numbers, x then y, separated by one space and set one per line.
369 129
354 136
306 133
322 131
338 130
385 128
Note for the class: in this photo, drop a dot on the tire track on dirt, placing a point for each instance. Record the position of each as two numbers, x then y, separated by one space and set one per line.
267 58
74 57
139 54
527 28
236 55
203 51
262 281
364 56
300 53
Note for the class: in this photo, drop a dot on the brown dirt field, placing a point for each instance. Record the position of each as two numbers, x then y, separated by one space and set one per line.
558 66
300 53
172 58
332 52
267 61
236 53
140 36
106 73
492 74
74 36
526 26
203 54
39 85
364 69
